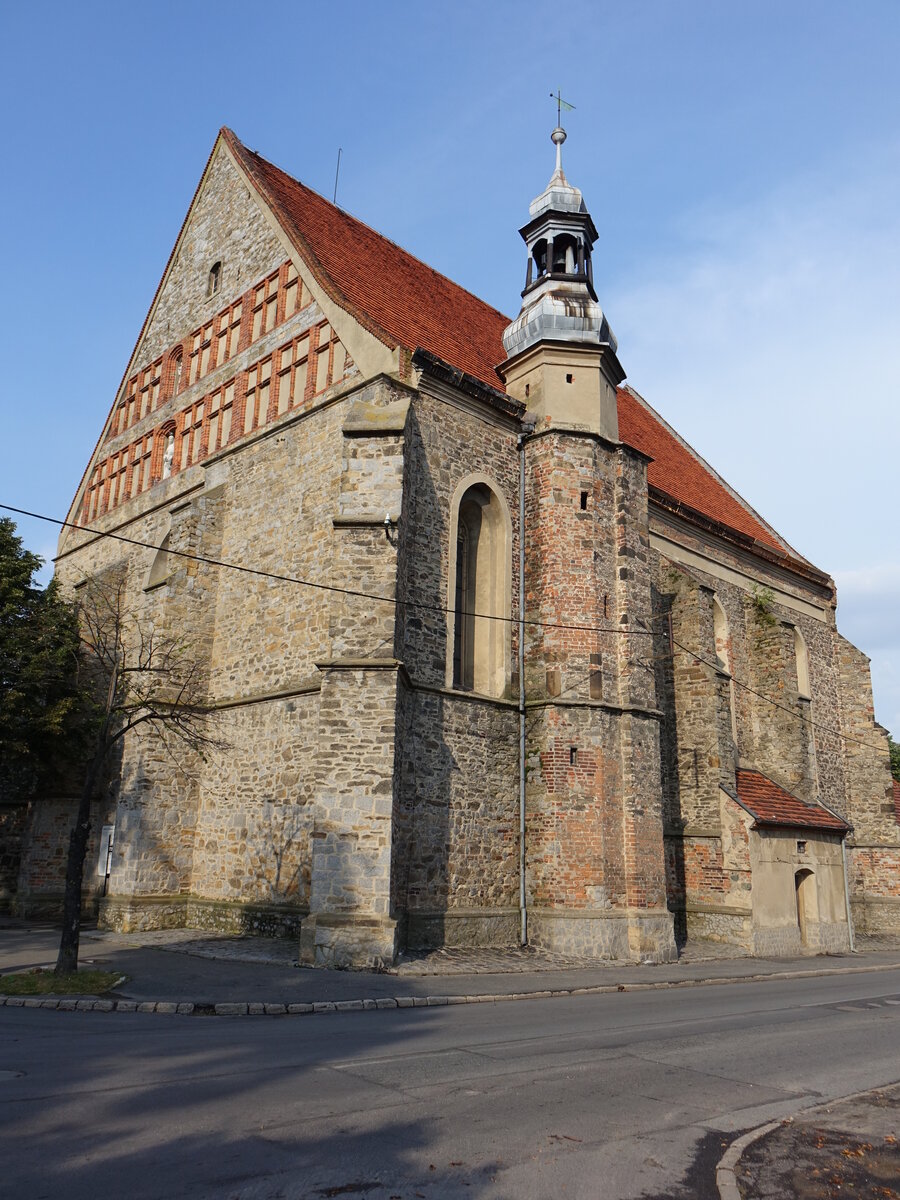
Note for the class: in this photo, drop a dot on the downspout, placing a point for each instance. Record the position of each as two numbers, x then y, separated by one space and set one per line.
523 910
847 895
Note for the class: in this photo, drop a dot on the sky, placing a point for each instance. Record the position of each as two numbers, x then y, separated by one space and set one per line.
741 163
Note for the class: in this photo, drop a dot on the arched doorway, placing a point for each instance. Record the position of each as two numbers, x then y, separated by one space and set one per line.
807 905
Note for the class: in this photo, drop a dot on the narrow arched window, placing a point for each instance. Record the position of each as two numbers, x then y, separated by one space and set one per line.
214 282
159 568
801 658
175 372
481 591
722 636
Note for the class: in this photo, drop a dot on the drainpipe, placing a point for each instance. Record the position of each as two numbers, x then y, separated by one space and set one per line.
847 896
523 911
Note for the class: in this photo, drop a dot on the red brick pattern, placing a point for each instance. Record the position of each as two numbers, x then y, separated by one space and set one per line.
391 293
218 418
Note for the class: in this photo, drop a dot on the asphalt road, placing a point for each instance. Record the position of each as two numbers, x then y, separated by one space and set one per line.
610 1096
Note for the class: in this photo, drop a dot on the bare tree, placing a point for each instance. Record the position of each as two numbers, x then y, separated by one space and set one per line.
133 676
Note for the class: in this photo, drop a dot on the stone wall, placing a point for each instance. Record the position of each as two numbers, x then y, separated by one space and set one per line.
45 845
13 827
226 225
874 844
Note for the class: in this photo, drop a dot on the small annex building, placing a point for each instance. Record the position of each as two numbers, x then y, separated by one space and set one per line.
555 680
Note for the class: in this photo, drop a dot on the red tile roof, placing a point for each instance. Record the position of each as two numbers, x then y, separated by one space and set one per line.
680 473
772 805
397 297
405 303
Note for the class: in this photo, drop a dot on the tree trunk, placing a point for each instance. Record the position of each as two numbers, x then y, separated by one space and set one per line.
67 960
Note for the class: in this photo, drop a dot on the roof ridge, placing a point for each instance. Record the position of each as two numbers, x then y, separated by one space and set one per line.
365 225
735 495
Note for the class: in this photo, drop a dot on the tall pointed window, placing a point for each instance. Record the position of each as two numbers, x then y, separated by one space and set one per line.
724 658
480 598
214 282
801 658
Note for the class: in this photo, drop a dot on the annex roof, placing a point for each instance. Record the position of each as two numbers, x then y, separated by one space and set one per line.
771 805
405 303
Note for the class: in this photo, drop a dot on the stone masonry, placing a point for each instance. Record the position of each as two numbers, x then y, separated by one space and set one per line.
316 454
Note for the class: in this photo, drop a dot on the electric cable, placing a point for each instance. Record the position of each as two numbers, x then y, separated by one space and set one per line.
441 609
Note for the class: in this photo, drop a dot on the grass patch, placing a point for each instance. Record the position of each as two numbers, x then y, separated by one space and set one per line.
39 982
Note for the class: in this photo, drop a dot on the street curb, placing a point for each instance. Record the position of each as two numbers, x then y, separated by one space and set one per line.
726 1171
369 1004
726 1177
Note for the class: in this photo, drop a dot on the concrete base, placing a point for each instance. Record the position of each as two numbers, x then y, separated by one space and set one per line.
339 941
783 941
48 906
604 933
130 914
876 914
719 925
462 928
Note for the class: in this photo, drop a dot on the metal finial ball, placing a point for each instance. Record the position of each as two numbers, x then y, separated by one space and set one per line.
558 136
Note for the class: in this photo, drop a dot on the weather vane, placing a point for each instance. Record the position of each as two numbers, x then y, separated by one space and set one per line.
560 105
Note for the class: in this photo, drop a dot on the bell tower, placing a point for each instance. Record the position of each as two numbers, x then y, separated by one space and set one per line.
561 353
594 858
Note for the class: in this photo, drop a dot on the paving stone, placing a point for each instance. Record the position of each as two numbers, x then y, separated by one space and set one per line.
386 1002
256 1010
297 1009
147 1006
185 1008
231 1010
126 1006
166 1006
275 1010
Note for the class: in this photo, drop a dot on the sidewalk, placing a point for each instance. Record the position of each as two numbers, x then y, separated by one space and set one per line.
200 972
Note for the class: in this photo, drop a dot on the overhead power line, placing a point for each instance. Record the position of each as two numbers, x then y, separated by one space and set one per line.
324 587
442 609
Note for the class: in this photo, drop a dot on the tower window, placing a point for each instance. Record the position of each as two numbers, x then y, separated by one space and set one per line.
584 500
214 282
481 593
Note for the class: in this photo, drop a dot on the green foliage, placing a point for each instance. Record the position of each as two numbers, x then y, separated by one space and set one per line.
40 700
895 757
762 599
38 982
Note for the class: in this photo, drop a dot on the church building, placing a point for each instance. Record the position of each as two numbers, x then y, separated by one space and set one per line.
506 662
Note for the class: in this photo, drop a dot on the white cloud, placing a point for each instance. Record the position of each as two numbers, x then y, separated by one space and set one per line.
769 337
